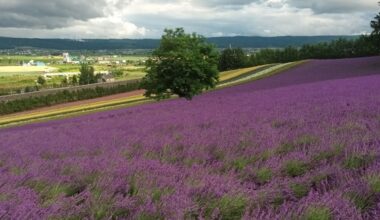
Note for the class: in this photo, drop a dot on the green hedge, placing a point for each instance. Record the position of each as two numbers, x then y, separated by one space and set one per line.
8 107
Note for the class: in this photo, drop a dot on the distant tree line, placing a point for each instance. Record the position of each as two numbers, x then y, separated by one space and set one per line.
7 107
233 58
91 45
365 45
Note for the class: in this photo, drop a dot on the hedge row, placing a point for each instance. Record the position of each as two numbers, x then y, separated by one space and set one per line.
8 107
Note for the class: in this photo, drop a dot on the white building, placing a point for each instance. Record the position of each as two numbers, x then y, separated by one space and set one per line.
66 58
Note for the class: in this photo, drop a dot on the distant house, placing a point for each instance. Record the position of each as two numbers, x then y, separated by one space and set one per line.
30 63
34 63
66 58
39 63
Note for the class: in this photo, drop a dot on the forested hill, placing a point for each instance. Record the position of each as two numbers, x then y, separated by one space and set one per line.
109 44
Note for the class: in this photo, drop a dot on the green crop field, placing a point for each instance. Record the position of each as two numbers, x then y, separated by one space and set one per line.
12 60
14 77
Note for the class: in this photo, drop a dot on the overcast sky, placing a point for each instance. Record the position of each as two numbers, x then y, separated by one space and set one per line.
147 18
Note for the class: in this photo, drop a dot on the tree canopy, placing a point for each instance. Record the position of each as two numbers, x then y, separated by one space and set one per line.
87 74
375 35
41 80
184 65
232 58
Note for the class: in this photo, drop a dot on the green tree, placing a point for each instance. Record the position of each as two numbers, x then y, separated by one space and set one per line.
232 58
64 81
87 74
375 35
183 64
118 72
74 80
41 80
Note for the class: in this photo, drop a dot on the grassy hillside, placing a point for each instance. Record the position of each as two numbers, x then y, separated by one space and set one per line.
303 144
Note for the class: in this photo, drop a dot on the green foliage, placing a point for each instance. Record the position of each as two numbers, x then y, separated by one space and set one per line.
74 189
306 140
148 216
7 107
278 124
341 48
87 75
285 148
324 155
30 89
329 154
300 190
133 189
41 80
356 161
226 207
278 200
264 175
374 183
295 168
64 82
158 193
232 207
117 72
362 201
240 163
317 179
184 64
74 80
50 192
375 35
301 141
318 213
232 58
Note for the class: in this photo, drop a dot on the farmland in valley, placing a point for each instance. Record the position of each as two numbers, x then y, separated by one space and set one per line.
15 78
299 144
228 78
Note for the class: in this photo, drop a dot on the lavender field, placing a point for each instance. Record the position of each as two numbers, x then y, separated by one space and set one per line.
303 144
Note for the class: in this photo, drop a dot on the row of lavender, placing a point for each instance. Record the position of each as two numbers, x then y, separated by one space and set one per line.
305 151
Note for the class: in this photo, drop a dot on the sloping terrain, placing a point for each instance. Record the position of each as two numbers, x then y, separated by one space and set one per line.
304 146
228 78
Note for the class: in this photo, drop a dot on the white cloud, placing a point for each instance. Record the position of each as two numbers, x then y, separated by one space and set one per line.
147 18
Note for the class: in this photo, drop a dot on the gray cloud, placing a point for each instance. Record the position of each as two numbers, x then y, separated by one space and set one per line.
335 6
48 13
224 3
147 18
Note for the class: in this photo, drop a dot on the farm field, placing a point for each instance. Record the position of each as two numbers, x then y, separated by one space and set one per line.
18 77
14 77
302 144
6 60
228 78
24 69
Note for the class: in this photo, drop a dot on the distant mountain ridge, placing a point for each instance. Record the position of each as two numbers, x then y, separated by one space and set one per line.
112 44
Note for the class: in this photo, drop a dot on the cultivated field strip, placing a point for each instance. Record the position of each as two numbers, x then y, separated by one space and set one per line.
70 89
227 79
